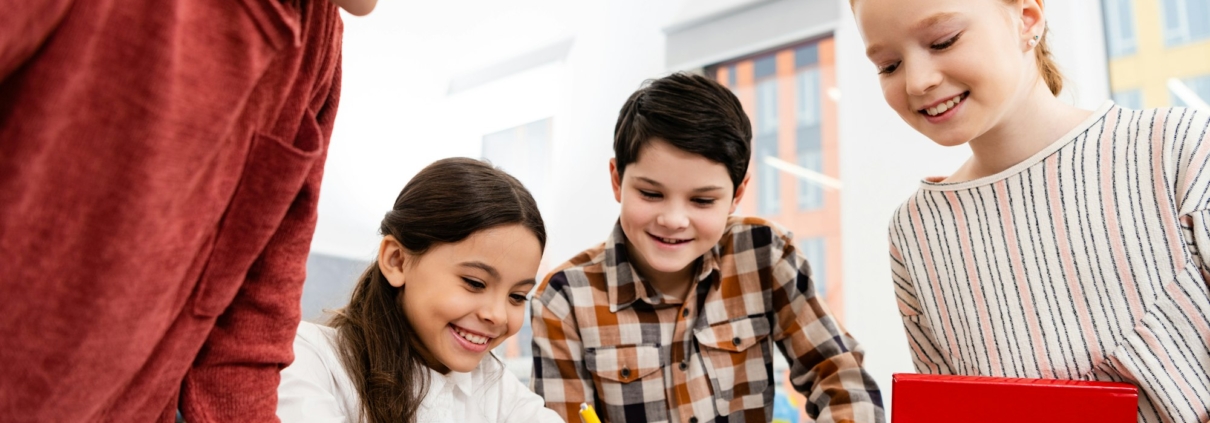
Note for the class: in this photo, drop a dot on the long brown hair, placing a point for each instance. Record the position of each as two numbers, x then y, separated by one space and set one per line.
446 202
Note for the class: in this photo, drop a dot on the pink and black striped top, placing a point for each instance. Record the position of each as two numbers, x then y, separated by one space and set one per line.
1081 262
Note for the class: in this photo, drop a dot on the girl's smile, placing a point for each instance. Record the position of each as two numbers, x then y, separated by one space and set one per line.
471 341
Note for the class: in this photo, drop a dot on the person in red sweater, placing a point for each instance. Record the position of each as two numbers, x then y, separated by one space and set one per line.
160 163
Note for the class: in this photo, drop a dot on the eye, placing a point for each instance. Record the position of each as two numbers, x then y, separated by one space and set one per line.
474 284
704 201
888 69
947 43
517 299
651 195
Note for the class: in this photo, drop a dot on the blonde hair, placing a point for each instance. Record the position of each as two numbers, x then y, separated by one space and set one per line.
1046 63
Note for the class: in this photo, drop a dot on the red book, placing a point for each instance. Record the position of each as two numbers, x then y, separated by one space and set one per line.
963 399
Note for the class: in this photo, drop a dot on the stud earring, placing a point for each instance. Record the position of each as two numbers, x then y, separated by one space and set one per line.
1034 42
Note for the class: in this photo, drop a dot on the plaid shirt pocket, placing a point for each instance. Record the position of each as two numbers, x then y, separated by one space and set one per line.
739 363
629 382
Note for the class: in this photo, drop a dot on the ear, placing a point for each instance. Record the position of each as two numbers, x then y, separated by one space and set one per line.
392 258
1033 19
615 179
739 192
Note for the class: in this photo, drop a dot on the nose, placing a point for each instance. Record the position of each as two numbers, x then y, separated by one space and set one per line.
922 77
673 217
494 311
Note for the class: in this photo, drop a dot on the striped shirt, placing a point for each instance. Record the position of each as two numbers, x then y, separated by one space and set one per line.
605 336
1081 262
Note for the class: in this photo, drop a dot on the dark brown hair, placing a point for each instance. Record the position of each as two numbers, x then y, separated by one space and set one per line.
692 113
445 202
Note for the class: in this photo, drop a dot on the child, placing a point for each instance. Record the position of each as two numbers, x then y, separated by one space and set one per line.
1068 246
676 317
459 253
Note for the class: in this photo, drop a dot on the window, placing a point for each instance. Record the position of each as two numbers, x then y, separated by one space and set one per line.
521 151
1185 21
816 253
809 136
1119 27
1129 99
769 198
1200 86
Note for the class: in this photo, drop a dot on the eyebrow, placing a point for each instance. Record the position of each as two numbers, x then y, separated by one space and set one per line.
495 274
924 23
659 185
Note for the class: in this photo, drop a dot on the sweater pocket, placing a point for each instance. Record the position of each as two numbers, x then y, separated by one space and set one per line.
272 178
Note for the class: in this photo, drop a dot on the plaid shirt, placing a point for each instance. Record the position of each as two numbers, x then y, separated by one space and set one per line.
604 335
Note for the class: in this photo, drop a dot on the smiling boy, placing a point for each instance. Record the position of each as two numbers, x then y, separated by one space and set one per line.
676 316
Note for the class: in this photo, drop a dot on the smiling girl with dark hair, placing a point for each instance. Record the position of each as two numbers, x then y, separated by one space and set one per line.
459 253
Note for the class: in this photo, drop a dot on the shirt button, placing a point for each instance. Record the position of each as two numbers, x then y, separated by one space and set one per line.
625 372
685 312
693 420
684 365
736 341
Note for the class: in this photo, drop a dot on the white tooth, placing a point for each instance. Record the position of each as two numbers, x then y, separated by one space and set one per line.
942 108
932 111
950 104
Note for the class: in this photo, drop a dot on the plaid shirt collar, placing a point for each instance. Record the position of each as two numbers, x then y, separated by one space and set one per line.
622 278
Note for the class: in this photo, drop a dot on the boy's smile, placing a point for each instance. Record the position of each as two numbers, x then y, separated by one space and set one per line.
674 209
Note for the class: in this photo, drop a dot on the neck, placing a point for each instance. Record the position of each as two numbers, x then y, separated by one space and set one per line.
673 284
1038 121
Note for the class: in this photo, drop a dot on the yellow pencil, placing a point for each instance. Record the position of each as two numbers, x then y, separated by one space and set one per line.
588 415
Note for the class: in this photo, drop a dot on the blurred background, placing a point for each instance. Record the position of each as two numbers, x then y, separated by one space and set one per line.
534 86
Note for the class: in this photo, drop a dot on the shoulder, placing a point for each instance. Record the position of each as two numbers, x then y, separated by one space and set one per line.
505 398
316 382
1177 127
759 230
572 273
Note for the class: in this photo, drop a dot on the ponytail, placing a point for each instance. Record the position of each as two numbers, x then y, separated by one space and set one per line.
1047 67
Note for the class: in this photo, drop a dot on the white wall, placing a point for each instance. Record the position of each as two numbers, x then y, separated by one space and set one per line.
882 160
396 114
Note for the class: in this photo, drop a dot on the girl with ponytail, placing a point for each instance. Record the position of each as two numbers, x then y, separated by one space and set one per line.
1070 244
459 254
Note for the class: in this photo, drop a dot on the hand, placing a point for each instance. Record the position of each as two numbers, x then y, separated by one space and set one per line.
356 7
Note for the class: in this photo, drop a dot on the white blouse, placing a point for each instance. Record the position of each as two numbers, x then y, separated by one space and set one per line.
317 389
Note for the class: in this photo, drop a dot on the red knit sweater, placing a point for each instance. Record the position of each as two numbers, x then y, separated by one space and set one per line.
160 164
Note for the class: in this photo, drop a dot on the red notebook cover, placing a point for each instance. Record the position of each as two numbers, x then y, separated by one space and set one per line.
952 399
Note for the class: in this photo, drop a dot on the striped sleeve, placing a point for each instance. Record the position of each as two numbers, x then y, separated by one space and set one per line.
559 374
1173 336
825 361
926 356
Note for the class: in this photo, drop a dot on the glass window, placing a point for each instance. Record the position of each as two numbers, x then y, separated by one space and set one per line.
816 253
1200 85
769 200
1119 27
806 56
521 151
1185 21
809 136
1129 99
765 67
